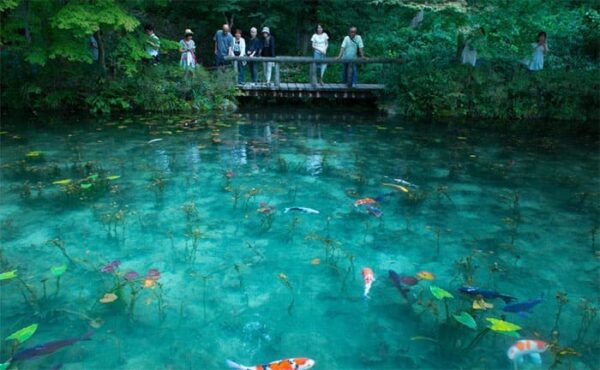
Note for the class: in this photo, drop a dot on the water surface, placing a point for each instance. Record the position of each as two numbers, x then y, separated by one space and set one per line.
504 209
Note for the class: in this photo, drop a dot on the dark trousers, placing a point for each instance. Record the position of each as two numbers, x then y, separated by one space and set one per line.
253 71
240 72
346 72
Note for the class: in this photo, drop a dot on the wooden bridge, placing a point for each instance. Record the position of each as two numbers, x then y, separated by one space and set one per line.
312 89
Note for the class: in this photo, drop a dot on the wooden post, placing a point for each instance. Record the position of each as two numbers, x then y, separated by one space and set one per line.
313 75
277 79
235 71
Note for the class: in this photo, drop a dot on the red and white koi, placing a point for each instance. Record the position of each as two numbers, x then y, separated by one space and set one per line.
299 363
369 278
363 201
527 347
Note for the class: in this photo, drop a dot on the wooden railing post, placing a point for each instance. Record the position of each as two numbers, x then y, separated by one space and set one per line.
235 71
277 79
349 74
313 75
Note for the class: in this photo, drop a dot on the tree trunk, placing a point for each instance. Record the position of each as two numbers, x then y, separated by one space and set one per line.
101 52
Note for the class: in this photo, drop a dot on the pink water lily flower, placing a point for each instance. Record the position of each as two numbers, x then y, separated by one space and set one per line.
111 267
131 275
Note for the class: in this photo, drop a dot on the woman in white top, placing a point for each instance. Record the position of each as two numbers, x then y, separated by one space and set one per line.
320 42
239 49
540 48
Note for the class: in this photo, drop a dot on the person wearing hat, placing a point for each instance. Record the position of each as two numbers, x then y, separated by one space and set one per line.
223 45
187 48
267 50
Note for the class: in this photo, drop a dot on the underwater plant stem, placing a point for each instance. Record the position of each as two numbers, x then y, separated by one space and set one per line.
476 340
57 285
447 311
44 288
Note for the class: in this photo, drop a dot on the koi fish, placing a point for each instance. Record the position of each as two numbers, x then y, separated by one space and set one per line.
360 202
300 363
48 348
489 294
301 209
522 308
397 281
368 278
373 211
406 183
527 347
397 187
153 141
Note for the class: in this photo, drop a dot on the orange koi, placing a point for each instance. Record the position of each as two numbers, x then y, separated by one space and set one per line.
369 278
360 202
301 363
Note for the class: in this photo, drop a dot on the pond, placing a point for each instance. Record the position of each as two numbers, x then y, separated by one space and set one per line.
174 242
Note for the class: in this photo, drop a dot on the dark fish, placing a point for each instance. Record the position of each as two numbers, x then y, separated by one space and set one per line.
397 281
373 211
48 348
522 308
490 294
383 197
408 280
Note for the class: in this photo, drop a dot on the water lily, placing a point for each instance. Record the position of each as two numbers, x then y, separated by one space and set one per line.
480 304
466 319
22 335
85 185
108 298
153 274
111 266
440 293
131 275
58 270
62 182
502 326
8 275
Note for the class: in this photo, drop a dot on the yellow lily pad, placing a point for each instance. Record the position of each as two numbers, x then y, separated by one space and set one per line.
8 275
22 335
34 153
502 326
62 182
111 178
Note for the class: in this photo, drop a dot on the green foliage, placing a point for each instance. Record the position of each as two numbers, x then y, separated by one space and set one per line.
47 62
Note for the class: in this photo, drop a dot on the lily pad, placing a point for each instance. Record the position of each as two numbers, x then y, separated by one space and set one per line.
466 319
33 153
502 326
4 365
513 334
85 185
111 178
440 293
8 275
22 335
58 270
93 176
62 182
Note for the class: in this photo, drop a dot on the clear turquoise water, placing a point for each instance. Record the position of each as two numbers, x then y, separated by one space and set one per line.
516 210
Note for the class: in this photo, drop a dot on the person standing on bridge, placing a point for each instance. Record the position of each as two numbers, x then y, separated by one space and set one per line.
187 48
254 48
267 49
352 46
239 49
223 45
320 42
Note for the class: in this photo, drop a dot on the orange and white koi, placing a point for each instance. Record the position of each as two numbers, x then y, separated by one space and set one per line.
299 363
527 347
360 202
369 278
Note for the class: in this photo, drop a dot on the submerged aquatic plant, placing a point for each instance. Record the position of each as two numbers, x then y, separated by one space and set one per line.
562 300
441 294
60 244
191 248
57 271
588 315
284 280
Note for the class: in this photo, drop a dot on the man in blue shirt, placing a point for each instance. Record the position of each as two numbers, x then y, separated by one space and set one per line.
223 45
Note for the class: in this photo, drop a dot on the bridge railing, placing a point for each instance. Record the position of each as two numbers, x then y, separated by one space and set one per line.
313 65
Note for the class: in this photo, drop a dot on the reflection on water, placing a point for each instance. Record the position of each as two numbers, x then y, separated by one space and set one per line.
210 267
